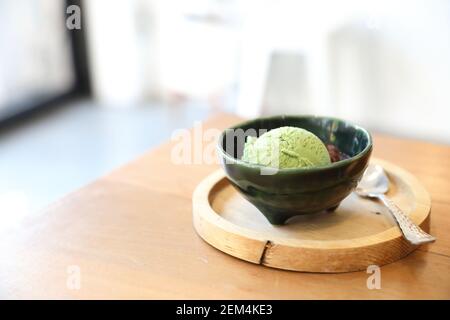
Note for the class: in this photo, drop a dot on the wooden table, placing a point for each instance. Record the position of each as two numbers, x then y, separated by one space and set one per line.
129 235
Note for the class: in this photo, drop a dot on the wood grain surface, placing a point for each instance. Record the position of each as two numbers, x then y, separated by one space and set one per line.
130 235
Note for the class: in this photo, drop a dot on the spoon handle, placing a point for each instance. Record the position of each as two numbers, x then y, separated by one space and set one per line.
412 232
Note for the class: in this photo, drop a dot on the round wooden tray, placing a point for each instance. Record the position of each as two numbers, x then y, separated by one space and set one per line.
359 233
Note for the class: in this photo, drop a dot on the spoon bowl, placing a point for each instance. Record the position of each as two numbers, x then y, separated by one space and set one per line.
374 184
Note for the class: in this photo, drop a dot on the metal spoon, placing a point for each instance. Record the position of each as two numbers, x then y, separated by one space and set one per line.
374 184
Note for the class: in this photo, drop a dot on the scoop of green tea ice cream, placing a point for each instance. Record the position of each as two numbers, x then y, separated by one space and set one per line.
286 147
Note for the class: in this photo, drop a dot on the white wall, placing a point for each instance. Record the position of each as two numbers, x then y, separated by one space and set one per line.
384 64
394 75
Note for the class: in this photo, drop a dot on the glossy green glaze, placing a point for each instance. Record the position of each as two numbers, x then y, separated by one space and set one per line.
283 193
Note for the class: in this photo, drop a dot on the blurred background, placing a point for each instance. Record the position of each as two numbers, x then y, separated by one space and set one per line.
85 89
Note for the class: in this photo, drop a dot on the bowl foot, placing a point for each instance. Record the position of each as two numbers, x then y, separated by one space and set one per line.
277 219
333 208
274 216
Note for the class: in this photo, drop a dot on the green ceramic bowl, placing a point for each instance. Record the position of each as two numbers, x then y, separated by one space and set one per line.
295 191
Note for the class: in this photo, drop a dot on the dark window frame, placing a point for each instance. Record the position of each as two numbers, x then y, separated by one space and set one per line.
81 87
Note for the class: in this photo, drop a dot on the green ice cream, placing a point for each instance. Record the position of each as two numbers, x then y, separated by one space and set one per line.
286 147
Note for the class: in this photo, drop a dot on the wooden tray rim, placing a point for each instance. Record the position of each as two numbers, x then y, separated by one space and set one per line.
201 202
